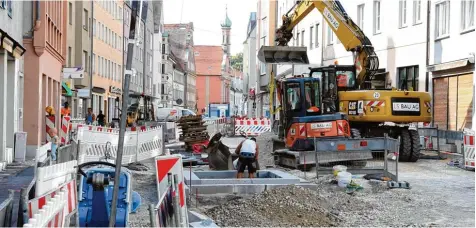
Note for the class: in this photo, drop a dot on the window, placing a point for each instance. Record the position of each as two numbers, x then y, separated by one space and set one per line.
163 68
94 27
467 15
377 17
120 13
9 8
85 20
311 38
264 29
150 63
85 61
94 63
163 49
150 41
69 56
302 38
416 12
408 78
113 71
442 19
402 18
297 39
330 35
360 16
70 13
316 42
292 97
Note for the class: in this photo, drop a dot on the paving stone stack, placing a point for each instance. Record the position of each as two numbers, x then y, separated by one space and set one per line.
193 130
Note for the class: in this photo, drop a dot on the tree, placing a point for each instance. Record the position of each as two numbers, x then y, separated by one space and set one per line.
237 61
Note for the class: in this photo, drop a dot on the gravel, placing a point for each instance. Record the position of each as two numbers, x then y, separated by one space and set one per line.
287 206
145 183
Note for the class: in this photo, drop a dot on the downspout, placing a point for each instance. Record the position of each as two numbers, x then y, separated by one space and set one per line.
427 60
37 20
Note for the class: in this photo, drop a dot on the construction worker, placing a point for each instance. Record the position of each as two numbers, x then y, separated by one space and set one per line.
247 151
65 110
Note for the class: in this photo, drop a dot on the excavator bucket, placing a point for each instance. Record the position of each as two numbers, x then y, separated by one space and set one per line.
283 55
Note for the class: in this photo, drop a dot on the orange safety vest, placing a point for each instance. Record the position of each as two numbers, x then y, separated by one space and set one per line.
65 111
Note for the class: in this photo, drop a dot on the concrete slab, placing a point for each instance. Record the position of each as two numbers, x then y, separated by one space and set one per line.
224 182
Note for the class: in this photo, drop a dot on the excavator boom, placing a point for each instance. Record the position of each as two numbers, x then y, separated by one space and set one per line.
350 35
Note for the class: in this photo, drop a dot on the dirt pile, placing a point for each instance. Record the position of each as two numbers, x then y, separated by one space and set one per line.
265 144
284 207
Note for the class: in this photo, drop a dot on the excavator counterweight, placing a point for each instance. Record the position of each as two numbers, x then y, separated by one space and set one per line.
283 55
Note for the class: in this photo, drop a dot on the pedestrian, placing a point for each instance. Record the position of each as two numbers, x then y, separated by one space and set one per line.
54 142
248 153
90 117
101 118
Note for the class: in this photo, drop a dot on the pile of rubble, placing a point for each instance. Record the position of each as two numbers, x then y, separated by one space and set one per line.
283 207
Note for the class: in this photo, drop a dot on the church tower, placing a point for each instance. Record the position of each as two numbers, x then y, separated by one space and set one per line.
225 29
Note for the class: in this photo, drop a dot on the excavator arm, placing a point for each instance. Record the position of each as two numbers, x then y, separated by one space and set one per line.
350 35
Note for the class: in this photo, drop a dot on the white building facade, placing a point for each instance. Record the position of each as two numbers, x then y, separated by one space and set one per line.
158 53
451 63
251 81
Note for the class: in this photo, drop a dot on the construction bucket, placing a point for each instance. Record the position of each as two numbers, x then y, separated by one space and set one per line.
283 55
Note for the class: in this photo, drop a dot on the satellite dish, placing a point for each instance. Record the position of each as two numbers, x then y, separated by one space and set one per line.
179 101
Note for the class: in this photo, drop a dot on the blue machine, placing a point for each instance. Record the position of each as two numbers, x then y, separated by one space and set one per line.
95 195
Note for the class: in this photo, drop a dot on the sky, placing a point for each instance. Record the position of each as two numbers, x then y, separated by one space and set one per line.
207 15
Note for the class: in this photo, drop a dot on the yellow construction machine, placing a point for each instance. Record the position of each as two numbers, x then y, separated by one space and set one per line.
371 113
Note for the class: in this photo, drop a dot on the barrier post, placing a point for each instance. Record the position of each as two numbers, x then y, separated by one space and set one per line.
153 221
315 158
438 141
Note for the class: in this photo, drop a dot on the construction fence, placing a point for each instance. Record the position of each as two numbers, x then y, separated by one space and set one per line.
457 146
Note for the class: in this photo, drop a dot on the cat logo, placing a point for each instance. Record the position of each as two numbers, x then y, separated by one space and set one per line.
293 131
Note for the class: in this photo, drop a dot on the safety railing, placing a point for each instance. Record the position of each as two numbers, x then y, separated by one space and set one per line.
360 156
52 212
251 126
437 143
6 211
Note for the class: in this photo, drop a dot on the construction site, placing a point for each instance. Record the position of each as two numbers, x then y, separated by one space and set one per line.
335 152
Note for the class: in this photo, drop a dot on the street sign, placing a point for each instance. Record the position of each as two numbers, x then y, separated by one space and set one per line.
73 72
83 93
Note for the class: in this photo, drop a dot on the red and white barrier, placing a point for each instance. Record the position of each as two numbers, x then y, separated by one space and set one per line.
252 126
50 124
469 149
170 184
51 177
52 214
138 145
64 132
70 189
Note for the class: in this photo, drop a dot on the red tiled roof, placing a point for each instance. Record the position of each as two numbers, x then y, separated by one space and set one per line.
208 56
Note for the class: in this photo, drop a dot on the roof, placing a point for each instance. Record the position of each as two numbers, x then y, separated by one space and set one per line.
226 23
208 59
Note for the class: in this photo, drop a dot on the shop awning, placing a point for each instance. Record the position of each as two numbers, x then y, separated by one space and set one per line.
66 90
450 65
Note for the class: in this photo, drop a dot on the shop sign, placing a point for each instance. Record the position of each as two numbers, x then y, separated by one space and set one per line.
115 90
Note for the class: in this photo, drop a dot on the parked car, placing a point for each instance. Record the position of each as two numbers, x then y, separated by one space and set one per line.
172 114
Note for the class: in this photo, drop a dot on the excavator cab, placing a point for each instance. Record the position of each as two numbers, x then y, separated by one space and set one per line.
303 114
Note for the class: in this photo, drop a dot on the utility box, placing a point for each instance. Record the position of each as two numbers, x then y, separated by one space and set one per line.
20 146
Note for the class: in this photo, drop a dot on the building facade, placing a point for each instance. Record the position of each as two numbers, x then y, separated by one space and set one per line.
12 83
250 81
180 42
209 76
451 64
158 53
45 29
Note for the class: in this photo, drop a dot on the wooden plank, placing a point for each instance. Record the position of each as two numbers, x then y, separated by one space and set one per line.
440 102
465 101
452 102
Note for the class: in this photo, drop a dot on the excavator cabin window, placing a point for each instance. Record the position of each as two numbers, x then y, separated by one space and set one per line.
293 97
312 98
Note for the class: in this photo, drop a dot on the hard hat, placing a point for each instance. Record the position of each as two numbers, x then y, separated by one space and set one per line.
50 110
